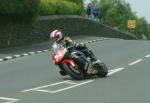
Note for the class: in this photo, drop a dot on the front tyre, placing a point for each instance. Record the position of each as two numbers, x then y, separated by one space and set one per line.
75 73
103 70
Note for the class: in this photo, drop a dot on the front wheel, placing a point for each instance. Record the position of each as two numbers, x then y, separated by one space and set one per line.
74 72
102 70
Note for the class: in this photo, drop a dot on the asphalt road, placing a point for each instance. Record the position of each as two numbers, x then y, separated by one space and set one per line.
35 79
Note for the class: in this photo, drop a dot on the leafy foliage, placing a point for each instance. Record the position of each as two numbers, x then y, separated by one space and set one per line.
141 28
79 2
116 13
21 8
50 7
149 31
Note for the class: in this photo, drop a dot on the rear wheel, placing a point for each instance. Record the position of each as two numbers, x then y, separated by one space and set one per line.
102 70
74 72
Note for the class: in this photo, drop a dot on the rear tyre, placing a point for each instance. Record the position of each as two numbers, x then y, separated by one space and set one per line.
75 73
103 70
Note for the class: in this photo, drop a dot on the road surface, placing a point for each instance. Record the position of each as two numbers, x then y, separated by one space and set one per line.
35 79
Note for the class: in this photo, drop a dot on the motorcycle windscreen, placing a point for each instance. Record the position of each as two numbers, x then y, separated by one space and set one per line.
58 56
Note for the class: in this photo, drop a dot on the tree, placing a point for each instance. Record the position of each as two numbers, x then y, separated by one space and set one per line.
116 13
149 31
141 28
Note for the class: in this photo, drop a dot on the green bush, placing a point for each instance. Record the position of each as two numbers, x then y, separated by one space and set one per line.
79 2
18 7
47 7
51 7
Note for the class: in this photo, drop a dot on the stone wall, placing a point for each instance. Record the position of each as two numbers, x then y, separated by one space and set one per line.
17 34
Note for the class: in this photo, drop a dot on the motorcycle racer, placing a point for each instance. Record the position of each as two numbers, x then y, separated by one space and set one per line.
57 37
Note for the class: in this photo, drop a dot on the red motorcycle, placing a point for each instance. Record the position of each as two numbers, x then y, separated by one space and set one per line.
76 64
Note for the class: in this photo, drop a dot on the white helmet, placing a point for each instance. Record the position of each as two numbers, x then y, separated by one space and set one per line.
56 35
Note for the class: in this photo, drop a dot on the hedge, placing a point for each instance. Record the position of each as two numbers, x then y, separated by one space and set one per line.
79 2
52 7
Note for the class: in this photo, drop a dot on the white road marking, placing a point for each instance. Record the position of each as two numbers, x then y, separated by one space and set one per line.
31 52
17 56
73 84
25 54
106 38
45 50
9 100
147 56
45 86
1 60
135 62
40 90
8 57
56 91
114 71
38 51
59 90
